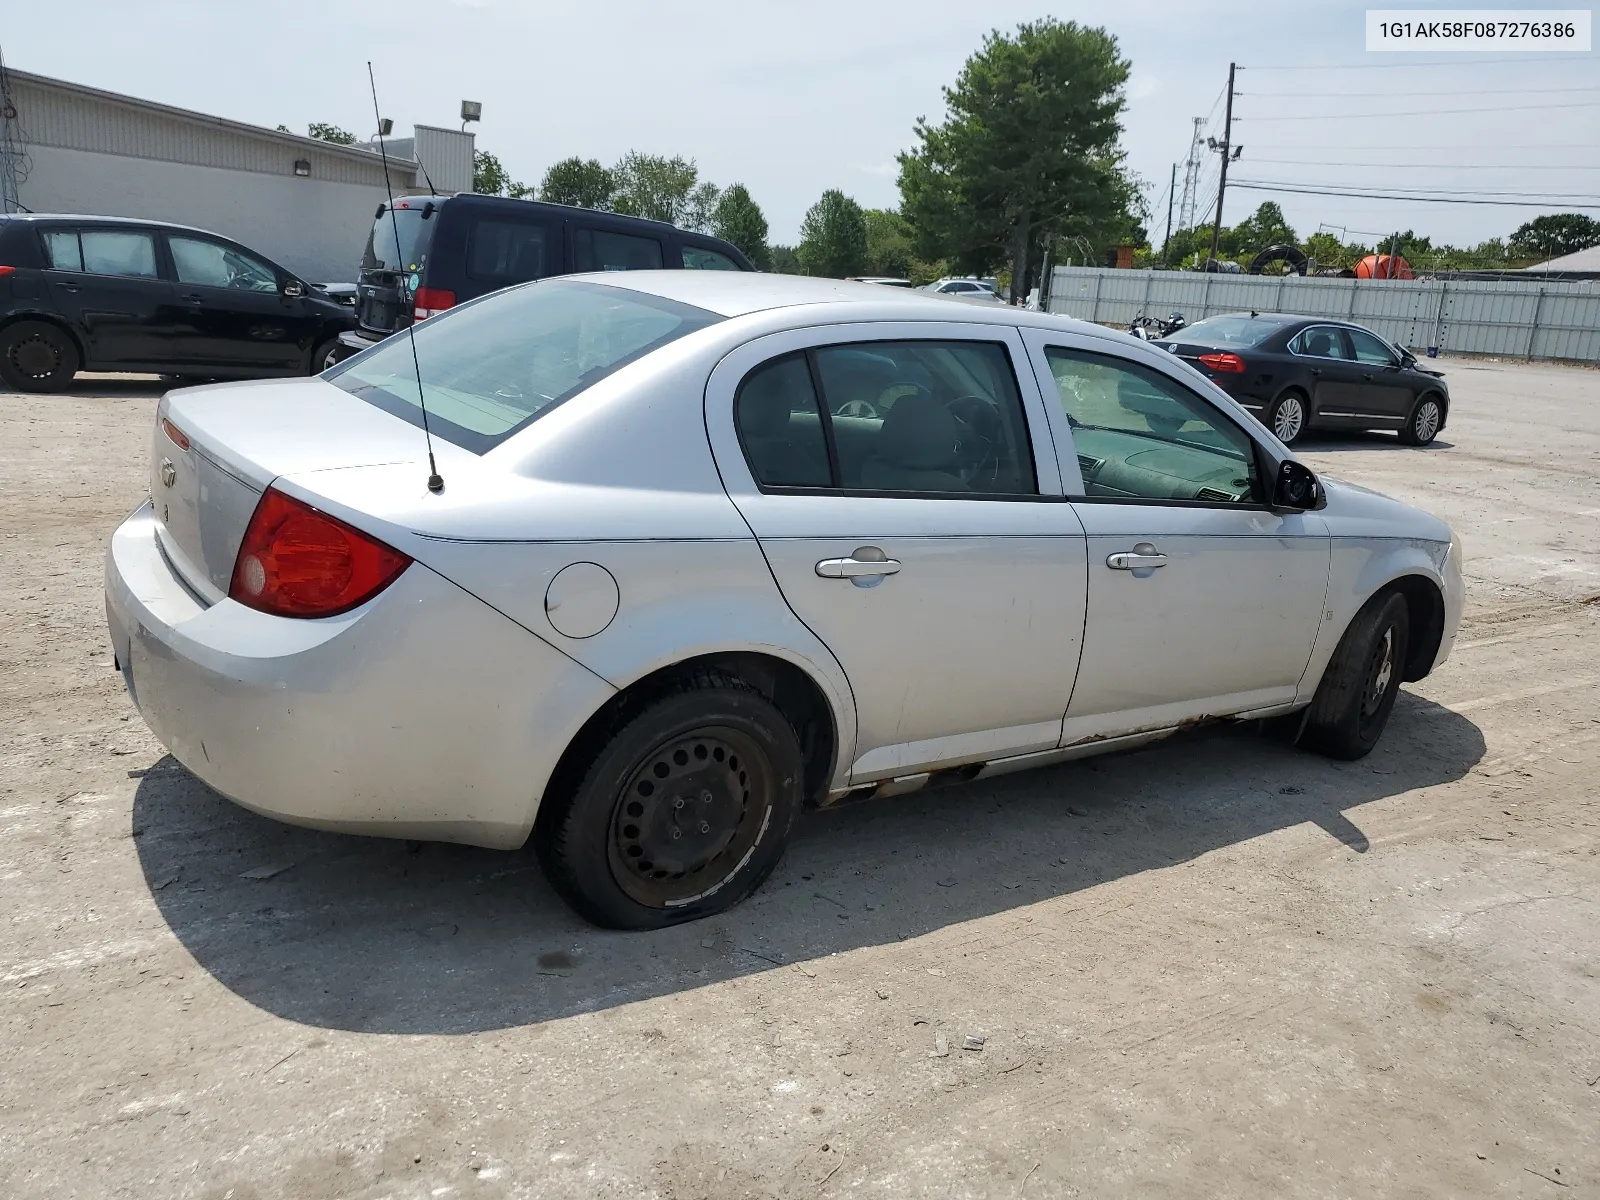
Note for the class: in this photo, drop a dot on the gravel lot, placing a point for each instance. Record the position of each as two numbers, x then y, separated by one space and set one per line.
1214 967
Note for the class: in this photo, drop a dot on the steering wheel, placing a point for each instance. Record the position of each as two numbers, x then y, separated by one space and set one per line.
856 408
979 418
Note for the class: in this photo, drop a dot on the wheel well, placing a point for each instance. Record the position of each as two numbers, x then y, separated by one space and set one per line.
790 689
54 322
1425 606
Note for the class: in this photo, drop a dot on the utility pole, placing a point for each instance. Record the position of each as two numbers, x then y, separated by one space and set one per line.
1171 183
1226 149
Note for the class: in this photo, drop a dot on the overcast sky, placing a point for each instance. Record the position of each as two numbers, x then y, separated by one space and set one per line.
791 98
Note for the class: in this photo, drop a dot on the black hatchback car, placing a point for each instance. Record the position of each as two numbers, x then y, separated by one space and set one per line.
108 294
439 251
1298 373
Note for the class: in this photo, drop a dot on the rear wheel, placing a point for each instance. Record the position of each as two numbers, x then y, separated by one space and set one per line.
324 356
1422 426
37 357
684 810
1358 690
1287 417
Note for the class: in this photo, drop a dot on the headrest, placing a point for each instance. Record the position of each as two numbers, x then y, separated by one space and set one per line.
919 433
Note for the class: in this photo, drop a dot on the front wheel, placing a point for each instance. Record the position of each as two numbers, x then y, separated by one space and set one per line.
684 810
324 356
36 356
1358 690
1422 426
1287 418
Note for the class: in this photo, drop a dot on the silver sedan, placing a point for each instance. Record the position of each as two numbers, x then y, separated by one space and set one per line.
711 547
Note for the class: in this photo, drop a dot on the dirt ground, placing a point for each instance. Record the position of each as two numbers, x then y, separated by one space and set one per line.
1216 967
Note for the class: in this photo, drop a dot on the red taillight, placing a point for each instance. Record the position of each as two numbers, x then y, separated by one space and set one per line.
298 562
1231 363
5 270
429 302
179 438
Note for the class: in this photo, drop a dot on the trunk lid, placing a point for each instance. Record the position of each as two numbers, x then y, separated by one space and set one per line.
241 437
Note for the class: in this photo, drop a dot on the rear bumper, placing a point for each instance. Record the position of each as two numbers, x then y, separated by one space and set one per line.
423 714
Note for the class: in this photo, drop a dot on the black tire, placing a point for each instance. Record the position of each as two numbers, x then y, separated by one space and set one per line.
36 356
324 356
1289 416
1358 690
683 810
1424 423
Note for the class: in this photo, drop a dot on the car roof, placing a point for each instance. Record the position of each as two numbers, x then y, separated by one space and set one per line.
737 293
87 219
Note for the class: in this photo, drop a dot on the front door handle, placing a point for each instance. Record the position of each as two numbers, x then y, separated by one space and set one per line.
1136 559
191 297
856 568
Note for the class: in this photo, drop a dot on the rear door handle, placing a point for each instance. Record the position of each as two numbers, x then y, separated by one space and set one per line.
855 568
69 287
191 297
1133 560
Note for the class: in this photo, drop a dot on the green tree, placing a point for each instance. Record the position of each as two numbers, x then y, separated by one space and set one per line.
1556 234
738 219
785 261
700 207
833 237
325 132
889 243
1262 228
1030 147
583 183
489 178
648 185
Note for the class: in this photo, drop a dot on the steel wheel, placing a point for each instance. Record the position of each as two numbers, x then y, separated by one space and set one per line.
37 357
1379 671
683 823
1288 418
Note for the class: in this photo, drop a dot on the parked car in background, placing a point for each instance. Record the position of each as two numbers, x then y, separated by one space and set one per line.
713 546
969 289
1298 373
343 293
109 294
431 253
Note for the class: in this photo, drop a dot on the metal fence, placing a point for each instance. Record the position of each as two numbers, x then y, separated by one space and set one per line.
1513 318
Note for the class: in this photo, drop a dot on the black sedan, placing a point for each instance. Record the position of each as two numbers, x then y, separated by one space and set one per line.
108 294
1299 373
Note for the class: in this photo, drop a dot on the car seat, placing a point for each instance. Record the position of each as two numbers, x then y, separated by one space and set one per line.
917 448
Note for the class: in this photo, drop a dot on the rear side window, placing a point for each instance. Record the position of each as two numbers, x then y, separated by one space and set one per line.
508 251
696 258
941 417
603 250
102 252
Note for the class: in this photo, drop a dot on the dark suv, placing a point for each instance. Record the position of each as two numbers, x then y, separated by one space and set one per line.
440 251
111 294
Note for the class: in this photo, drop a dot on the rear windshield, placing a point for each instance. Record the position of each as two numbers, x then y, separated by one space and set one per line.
492 367
1228 331
415 233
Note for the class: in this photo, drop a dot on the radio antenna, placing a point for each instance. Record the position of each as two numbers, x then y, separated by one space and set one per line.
435 480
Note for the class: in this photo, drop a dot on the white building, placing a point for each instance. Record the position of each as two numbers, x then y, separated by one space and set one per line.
305 203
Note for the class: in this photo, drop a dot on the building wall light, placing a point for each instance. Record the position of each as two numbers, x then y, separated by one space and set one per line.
302 166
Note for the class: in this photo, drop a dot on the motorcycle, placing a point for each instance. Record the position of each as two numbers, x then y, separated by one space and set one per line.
1152 329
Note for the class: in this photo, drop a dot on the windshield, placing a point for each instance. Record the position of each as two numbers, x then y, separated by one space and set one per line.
1229 331
491 367
415 234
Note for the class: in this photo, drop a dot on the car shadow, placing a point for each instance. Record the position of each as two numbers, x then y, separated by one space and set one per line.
119 387
1324 440
384 936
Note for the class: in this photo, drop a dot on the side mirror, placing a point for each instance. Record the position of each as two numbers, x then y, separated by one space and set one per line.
1296 488
293 288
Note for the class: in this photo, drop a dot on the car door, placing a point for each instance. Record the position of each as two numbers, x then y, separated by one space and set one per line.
106 282
1335 376
1203 602
1382 395
236 314
901 481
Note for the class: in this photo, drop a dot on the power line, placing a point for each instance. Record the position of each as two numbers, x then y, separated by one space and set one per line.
1430 146
1402 95
1315 191
1426 112
1360 189
1416 66
1324 162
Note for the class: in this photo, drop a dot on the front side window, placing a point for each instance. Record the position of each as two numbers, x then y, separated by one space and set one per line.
506 252
1142 436
941 417
1320 341
102 252
696 258
493 366
1370 349
603 250
211 264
